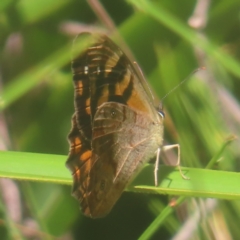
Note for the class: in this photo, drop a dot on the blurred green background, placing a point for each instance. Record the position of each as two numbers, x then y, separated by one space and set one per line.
169 40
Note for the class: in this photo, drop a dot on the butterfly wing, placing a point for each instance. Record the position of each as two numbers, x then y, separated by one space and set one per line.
115 127
123 140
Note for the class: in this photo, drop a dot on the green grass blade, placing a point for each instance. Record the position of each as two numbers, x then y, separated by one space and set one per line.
12 230
202 183
35 167
220 152
163 16
217 185
159 220
22 84
51 168
33 11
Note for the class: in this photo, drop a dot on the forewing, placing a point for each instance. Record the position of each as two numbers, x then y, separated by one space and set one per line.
103 73
113 78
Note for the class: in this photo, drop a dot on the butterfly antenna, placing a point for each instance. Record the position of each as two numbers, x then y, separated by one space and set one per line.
184 80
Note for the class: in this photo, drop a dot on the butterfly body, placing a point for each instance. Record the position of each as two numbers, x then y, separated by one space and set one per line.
115 128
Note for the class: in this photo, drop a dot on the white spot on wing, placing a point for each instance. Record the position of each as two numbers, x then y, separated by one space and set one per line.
86 70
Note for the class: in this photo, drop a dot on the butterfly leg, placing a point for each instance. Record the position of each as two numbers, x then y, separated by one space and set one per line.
168 147
156 167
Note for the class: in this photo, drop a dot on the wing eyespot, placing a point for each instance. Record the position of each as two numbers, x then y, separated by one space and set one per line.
113 113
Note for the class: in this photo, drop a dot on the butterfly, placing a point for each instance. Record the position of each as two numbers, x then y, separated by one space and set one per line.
116 128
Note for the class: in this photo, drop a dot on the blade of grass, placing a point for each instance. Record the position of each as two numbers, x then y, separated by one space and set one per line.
218 155
35 167
160 219
33 11
12 230
33 207
176 25
202 183
51 168
19 86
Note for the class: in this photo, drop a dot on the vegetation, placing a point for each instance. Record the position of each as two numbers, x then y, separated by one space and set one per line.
169 40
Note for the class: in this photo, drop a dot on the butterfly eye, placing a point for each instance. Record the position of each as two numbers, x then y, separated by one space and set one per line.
161 113
113 113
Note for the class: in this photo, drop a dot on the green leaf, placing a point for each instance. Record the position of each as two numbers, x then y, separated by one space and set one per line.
51 168
35 167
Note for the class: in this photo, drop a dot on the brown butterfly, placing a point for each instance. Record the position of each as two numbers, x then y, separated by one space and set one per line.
115 128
